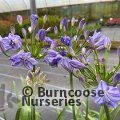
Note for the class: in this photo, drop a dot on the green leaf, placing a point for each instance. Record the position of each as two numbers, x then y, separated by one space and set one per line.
17 117
61 113
101 113
115 113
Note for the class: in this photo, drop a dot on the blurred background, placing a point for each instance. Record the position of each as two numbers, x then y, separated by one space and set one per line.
106 12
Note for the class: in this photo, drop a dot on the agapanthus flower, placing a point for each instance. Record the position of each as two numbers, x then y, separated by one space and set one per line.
55 30
81 24
77 64
111 95
35 78
53 44
12 42
44 19
63 24
99 41
116 79
24 32
63 52
72 21
104 42
48 40
66 40
41 34
19 19
12 29
65 63
52 58
71 51
34 21
86 34
23 58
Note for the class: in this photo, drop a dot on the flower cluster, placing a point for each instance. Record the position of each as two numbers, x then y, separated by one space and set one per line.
69 52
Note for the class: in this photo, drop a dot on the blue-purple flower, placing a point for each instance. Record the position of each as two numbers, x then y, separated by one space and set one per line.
99 41
34 21
77 64
104 42
23 58
41 34
81 24
65 63
12 42
66 40
53 58
63 52
48 40
116 79
63 24
111 95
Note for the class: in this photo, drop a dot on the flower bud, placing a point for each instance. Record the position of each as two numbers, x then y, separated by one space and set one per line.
55 30
24 32
42 34
48 29
12 29
116 79
83 50
44 19
77 64
19 19
30 29
72 21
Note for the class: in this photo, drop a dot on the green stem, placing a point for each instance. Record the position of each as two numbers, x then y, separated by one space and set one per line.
107 112
33 107
86 117
71 87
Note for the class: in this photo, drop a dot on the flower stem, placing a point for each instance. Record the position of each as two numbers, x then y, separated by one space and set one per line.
71 87
107 112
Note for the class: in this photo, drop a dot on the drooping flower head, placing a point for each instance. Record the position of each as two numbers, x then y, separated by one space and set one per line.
65 63
41 34
12 42
23 59
104 42
34 21
99 41
66 40
19 19
52 58
111 95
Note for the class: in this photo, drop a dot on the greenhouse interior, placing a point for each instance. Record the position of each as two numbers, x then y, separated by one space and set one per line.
59 59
